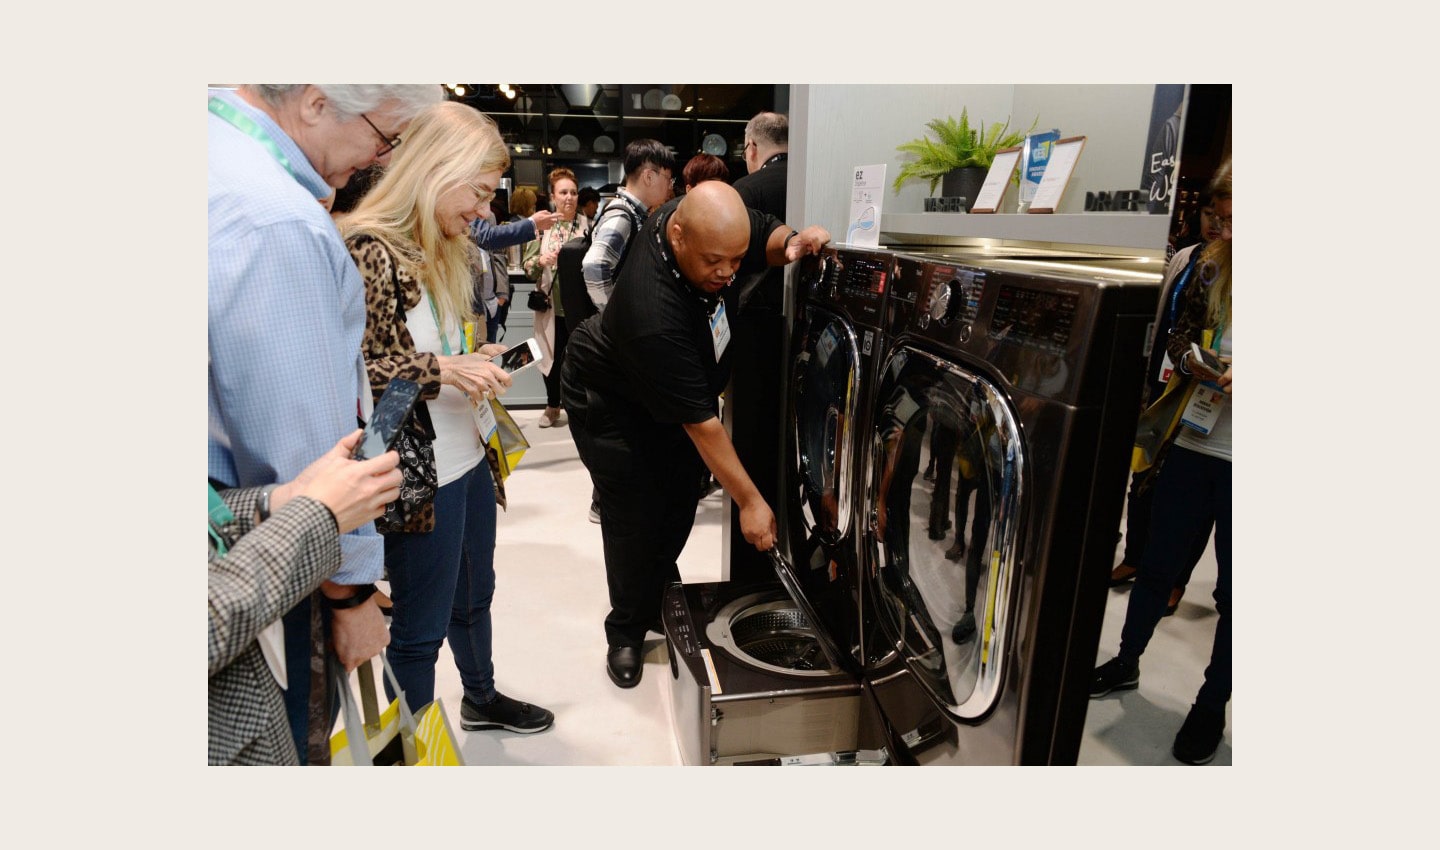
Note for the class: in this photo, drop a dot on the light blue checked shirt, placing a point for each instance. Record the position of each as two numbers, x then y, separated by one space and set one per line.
287 312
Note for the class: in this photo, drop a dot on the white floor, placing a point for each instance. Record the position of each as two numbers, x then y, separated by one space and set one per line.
550 602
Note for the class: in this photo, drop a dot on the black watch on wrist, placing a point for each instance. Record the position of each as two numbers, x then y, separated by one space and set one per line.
264 507
362 593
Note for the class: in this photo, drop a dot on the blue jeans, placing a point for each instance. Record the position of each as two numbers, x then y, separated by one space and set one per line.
442 583
1192 491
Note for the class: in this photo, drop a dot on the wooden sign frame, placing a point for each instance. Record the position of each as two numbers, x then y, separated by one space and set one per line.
1005 181
1061 176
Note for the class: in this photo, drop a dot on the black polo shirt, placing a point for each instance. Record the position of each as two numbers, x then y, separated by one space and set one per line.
651 351
765 189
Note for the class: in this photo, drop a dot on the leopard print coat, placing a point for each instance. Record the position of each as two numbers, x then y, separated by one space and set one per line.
388 348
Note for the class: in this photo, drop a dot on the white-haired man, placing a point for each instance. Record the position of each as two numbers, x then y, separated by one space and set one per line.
286 315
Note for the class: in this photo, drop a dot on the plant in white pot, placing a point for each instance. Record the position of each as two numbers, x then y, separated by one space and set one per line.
959 156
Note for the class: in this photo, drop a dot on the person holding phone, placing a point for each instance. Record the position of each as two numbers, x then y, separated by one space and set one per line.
1179 273
1192 494
284 322
539 265
270 547
410 236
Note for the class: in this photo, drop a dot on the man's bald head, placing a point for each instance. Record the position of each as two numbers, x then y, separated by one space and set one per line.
710 232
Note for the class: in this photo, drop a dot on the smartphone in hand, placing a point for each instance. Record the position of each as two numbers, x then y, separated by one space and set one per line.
1208 358
390 413
524 354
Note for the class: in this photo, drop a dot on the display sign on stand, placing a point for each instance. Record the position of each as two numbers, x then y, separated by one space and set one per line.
1057 174
1035 154
998 178
866 194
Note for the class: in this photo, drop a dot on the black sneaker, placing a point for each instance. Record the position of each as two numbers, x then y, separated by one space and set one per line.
1114 675
504 713
1199 736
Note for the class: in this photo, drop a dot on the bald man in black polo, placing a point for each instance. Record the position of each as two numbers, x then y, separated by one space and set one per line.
641 390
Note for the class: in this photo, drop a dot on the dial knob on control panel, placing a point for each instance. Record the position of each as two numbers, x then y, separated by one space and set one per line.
939 302
945 303
815 276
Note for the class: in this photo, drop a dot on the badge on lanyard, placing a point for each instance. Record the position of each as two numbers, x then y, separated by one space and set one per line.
1166 369
485 421
1203 409
720 331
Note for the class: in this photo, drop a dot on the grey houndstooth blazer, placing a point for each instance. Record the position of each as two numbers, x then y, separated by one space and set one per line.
271 567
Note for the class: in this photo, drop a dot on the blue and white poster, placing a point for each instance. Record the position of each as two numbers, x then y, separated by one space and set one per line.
1035 155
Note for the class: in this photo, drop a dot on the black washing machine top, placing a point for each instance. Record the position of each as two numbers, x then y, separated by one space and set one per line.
851 280
1025 321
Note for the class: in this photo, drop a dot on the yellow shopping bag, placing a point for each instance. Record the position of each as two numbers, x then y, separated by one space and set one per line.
507 442
393 737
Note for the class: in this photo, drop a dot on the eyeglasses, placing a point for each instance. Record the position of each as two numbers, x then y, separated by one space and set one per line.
389 143
749 144
482 196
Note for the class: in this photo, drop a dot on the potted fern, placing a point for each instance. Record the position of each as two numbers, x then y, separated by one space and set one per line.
959 156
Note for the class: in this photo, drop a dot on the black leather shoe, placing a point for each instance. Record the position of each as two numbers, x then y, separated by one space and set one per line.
623 663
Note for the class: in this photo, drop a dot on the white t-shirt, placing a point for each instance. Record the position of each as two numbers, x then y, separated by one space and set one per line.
457 440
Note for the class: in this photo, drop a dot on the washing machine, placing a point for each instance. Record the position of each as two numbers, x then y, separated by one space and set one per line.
985 574
771 670
753 682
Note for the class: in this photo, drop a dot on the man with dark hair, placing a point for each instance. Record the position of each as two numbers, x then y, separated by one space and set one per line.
589 202
641 387
649 170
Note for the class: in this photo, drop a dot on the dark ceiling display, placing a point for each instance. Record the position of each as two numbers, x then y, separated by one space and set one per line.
589 124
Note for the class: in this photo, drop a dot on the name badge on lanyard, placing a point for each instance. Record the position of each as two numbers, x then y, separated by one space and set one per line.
485 421
1203 410
720 331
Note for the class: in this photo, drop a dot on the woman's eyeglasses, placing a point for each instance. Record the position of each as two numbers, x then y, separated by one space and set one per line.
482 196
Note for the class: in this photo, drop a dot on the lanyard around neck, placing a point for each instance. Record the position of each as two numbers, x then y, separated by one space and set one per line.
444 337
242 122
710 303
220 516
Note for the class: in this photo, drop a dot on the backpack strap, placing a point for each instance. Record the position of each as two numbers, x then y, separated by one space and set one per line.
637 221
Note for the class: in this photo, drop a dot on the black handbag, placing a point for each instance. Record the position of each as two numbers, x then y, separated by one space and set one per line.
538 301
415 509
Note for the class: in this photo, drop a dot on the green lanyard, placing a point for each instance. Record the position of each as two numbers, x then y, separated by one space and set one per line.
444 337
244 124
1220 331
220 516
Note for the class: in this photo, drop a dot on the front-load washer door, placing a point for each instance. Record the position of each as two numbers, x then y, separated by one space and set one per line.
822 451
946 481
825 380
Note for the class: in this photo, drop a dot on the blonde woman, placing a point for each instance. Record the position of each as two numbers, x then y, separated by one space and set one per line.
539 264
1192 495
409 237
